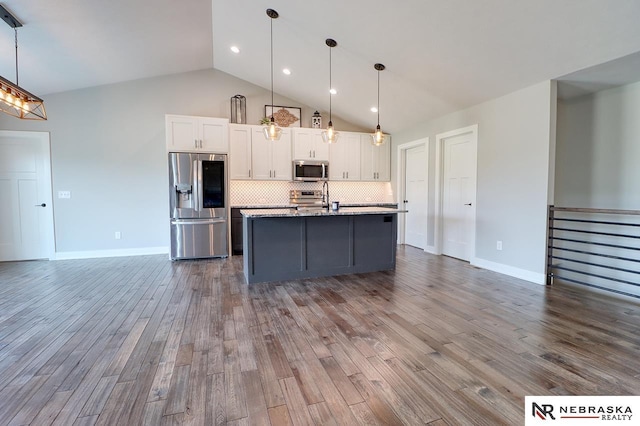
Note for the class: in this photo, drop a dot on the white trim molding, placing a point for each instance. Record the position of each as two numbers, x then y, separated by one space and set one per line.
90 254
512 271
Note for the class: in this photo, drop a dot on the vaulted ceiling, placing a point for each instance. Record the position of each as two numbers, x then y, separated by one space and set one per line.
441 56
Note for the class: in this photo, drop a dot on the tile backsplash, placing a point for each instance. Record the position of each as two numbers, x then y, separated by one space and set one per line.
249 192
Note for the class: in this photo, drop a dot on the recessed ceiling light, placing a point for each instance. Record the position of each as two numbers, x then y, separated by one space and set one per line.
374 109
333 91
235 49
286 71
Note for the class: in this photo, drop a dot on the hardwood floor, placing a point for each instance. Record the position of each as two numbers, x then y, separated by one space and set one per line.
143 340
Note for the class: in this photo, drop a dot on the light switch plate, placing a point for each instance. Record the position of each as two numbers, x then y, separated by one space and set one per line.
64 194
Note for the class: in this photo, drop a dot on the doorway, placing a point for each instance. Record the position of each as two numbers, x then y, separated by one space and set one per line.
26 211
412 182
456 167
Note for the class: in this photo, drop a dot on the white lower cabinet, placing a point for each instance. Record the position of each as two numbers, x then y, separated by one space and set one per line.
252 156
375 163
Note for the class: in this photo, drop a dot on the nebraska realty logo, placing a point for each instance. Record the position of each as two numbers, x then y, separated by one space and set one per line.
582 410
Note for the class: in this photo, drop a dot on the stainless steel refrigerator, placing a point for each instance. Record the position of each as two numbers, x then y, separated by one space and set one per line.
198 204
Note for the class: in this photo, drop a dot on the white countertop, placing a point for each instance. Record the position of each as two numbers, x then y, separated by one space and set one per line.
343 211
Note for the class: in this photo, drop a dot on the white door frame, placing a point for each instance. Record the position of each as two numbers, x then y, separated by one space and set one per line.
440 138
45 144
400 180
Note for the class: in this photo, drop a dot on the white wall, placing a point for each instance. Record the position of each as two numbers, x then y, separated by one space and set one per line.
598 150
108 149
515 144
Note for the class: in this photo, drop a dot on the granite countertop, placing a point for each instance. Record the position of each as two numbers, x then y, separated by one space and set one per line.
343 211
289 206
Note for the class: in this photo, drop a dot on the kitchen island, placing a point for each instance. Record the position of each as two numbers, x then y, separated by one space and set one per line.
285 244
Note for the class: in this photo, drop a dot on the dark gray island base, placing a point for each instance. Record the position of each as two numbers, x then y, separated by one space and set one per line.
285 244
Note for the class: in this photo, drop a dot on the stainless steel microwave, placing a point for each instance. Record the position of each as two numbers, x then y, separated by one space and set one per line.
310 171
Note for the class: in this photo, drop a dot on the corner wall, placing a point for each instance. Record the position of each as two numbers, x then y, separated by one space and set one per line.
514 150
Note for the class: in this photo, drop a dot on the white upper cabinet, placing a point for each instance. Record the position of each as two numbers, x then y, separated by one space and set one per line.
344 157
240 151
308 145
254 157
197 134
271 160
375 162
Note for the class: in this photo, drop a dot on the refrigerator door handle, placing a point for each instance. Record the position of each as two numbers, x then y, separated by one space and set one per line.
197 181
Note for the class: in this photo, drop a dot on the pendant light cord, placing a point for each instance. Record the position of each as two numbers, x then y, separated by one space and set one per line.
16 38
272 114
378 98
330 86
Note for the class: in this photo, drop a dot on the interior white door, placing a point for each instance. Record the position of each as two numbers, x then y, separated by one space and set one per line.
26 215
458 195
415 198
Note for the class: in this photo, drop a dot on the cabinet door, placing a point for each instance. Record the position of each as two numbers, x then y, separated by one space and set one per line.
351 142
376 160
181 133
281 157
338 161
302 144
240 151
368 166
260 155
384 161
213 135
320 149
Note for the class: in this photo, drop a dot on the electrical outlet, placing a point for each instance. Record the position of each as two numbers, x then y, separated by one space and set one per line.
498 245
64 194
118 235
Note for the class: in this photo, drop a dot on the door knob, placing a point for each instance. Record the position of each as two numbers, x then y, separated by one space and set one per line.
468 204
405 201
41 205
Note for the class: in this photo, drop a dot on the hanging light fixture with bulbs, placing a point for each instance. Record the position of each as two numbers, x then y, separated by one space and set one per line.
378 138
14 100
330 135
272 132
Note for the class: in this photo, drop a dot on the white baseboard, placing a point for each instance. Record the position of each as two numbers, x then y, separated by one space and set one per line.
89 254
431 249
523 274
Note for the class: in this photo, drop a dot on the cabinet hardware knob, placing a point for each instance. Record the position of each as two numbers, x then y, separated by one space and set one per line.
405 201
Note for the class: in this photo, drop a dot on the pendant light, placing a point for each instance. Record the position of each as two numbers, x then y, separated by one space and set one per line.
330 135
378 138
272 132
14 100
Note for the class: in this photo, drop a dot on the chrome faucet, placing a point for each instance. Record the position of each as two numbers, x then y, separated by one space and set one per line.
325 199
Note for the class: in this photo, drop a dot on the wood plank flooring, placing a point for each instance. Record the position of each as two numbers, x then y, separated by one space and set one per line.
147 341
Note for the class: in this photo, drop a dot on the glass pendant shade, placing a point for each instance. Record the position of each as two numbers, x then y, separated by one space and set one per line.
329 135
378 138
272 132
